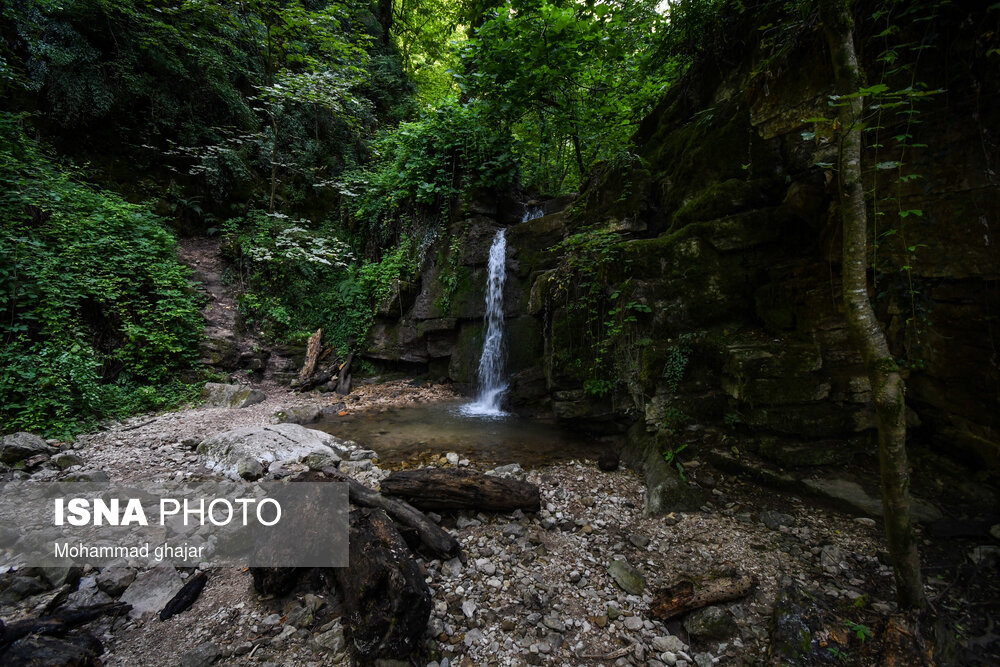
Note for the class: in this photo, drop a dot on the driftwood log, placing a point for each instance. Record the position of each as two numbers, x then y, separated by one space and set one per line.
436 540
686 595
44 641
458 489
344 376
185 597
81 650
388 602
57 625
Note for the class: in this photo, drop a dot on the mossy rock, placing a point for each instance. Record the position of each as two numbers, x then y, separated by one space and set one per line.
726 198
776 391
464 360
524 343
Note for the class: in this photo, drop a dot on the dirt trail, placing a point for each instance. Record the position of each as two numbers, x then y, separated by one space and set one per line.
203 256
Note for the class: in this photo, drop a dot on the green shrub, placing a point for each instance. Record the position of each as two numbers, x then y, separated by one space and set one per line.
97 316
296 276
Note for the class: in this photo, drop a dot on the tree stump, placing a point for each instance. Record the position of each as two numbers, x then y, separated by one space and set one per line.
387 600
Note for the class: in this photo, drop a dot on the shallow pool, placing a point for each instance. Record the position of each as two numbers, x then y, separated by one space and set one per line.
414 432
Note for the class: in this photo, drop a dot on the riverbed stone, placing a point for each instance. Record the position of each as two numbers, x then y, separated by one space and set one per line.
152 590
853 495
217 395
114 579
202 655
225 452
710 624
628 578
19 446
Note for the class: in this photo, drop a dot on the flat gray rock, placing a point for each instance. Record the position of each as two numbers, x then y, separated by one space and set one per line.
218 395
852 494
231 452
627 577
152 590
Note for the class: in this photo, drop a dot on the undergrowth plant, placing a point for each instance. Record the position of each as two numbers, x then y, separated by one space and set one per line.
96 316
294 276
889 122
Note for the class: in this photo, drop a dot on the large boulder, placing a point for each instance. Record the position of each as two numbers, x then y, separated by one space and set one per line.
247 448
19 446
230 395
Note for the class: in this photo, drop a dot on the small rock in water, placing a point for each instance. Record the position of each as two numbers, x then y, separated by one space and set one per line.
452 458
509 469
468 608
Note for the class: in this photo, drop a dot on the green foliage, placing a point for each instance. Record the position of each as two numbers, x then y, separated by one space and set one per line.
96 317
448 276
677 359
422 166
296 277
890 122
861 632
264 100
670 456
602 322
733 419
569 79
424 31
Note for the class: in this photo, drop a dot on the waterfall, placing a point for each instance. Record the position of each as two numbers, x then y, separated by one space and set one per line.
532 213
492 383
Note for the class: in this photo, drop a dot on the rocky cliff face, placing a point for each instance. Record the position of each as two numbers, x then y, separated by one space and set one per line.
726 247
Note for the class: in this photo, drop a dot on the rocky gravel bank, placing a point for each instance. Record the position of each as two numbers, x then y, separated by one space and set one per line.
569 585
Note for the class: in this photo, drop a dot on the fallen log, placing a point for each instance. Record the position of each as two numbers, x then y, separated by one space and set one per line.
686 595
185 597
459 489
437 541
388 603
57 625
82 650
344 376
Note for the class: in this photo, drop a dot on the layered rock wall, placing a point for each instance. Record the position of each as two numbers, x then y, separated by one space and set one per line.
729 241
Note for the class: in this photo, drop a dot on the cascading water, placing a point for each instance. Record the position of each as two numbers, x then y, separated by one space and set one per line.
532 213
492 383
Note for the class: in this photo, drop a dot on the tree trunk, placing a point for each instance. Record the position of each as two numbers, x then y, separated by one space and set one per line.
886 381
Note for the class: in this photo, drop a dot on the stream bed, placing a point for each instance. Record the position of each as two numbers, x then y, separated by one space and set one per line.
406 433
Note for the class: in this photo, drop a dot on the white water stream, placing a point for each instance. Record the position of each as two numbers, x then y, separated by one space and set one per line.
492 383
491 373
